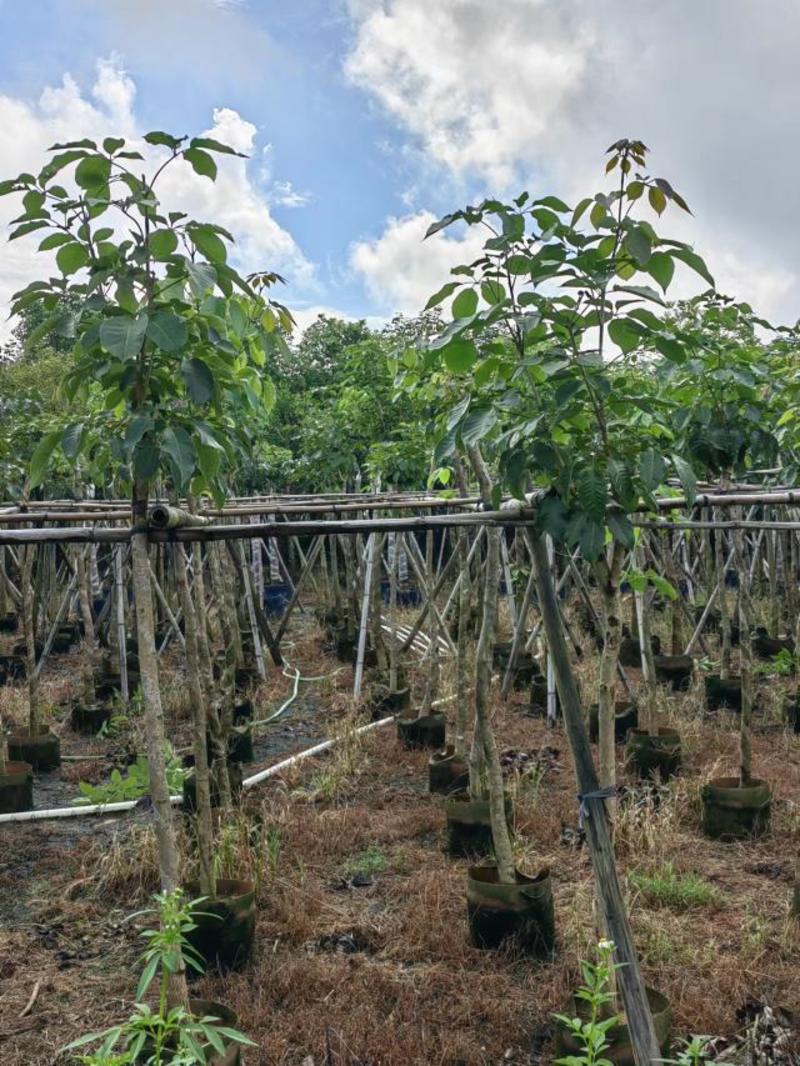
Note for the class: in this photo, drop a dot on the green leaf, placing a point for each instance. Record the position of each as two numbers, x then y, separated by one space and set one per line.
28 227
55 240
177 444
71 440
518 264
202 277
201 162
465 304
493 292
208 243
658 200
163 243
695 262
652 469
687 478
123 335
199 380
112 144
622 332
621 528
477 424
71 257
145 460
159 137
93 172
167 331
41 456
459 355
441 295
639 245
215 146
661 268
670 348
592 493
591 538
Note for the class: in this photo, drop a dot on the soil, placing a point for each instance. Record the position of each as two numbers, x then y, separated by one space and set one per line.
363 955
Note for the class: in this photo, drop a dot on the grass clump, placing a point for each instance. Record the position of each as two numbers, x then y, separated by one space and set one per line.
665 887
367 862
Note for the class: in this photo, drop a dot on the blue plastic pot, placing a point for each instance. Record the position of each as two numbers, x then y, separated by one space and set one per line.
276 598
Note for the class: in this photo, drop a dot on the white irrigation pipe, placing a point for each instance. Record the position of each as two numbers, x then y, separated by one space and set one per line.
128 805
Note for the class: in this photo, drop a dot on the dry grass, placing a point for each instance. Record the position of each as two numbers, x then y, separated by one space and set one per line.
414 991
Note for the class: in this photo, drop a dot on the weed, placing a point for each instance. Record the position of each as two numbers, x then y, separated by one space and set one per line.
665 887
592 1034
367 862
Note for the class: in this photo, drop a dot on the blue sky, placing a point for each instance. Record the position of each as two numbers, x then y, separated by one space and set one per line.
366 117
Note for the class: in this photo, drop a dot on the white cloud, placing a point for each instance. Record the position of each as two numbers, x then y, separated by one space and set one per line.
473 81
529 93
64 112
401 270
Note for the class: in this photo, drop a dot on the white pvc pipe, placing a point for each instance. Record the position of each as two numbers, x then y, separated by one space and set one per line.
128 805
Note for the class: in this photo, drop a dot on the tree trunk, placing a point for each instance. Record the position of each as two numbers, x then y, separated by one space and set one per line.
168 855
462 698
722 601
607 572
28 553
205 828
745 663
609 895
483 673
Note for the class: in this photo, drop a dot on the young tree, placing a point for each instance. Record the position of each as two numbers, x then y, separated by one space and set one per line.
165 331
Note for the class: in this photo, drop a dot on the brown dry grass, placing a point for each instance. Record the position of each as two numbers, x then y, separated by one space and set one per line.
416 991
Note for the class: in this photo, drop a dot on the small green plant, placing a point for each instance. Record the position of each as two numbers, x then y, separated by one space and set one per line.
695 1052
707 665
665 887
783 664
166 1036
367 862
592 1033
135 783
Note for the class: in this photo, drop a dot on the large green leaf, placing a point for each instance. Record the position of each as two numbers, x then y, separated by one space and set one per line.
477 424
93 172
208 243
459 355
592 494
652 469
625 333
465 304
167 331
71 257
621 528
202 277
199 380
163 243
687 478
41 456
177 444
201 162
638 245
123 335
442 294
661 267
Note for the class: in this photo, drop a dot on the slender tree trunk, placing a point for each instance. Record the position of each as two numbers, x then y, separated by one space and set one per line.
462 698
611 904
746 663
607 573
155 738
722 602
483 671
205 828
88 644
28 553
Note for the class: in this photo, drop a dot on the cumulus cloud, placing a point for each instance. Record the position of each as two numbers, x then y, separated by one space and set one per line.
401 270
531 92
64 112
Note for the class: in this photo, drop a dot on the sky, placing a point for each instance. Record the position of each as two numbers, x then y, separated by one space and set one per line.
365 119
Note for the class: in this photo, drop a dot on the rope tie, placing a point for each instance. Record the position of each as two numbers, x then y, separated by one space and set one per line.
609 792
